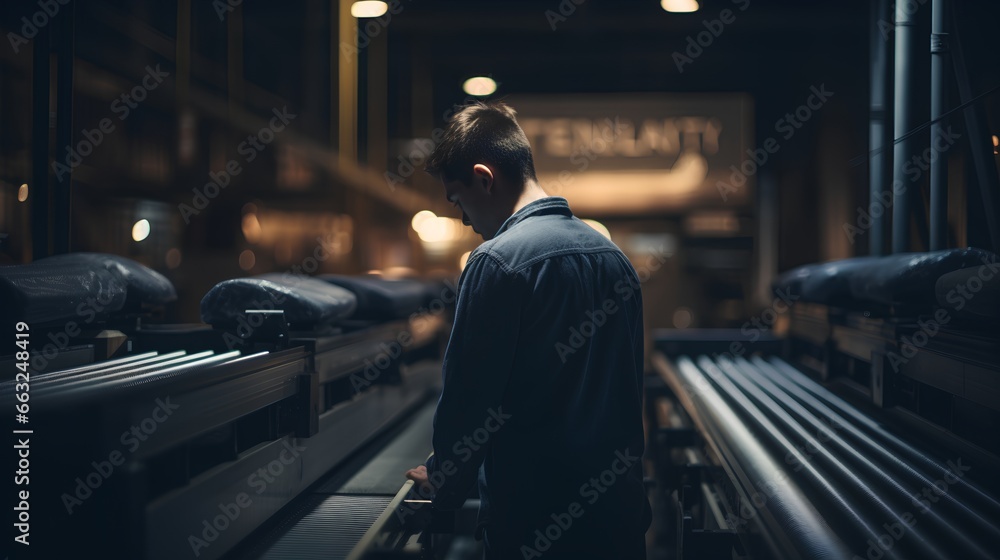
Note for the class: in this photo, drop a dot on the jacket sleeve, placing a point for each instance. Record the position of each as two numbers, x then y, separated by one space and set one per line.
477 366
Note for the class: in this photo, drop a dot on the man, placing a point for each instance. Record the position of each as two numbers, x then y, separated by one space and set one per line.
543 372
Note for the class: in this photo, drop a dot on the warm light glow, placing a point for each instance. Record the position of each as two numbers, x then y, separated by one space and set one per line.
463 260
996 142
601 229
140 230
437 229
479 86
420 217
432 228
369 9
173 258
247 259
679 6
251 228
22 192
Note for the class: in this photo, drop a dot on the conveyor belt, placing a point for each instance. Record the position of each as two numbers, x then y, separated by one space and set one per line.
331 520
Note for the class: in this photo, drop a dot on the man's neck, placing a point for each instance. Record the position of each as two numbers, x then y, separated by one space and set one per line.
532 192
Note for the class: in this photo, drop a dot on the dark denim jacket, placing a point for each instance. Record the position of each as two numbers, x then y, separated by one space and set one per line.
543 390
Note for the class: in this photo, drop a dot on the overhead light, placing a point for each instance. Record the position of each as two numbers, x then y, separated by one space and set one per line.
22 191
479 86
140 230
679 6
369 9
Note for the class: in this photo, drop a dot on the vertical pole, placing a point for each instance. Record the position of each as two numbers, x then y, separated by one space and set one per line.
905 120
939 95
880 125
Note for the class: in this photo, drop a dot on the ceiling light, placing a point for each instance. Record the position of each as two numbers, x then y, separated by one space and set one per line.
369 9
679 6
480 86
140 230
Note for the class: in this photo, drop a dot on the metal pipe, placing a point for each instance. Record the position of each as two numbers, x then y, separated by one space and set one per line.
939 97
824 401
786 507
868 454
880 125
905 119
874 502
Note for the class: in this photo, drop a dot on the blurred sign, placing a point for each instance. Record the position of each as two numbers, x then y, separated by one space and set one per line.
636 153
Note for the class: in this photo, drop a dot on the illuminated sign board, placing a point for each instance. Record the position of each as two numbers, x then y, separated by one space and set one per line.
636 153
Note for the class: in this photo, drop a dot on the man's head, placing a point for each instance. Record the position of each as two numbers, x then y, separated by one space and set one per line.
484 161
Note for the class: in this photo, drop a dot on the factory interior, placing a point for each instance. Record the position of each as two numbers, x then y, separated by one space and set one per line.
228 284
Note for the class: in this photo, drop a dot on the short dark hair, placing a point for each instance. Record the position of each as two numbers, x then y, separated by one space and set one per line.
482 133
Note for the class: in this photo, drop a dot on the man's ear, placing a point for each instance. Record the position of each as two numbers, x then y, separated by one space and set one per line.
483 176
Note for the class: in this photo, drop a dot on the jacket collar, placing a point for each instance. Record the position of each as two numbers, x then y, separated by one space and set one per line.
540 207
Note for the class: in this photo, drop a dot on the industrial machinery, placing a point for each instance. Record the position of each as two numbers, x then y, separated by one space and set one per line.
868 429
175 441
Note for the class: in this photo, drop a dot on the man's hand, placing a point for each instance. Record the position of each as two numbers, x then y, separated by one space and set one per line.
419 476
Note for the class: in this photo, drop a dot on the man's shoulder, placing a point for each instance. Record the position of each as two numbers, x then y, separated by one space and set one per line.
535 240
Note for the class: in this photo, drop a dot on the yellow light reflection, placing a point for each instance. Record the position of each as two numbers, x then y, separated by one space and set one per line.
251 228
601 228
